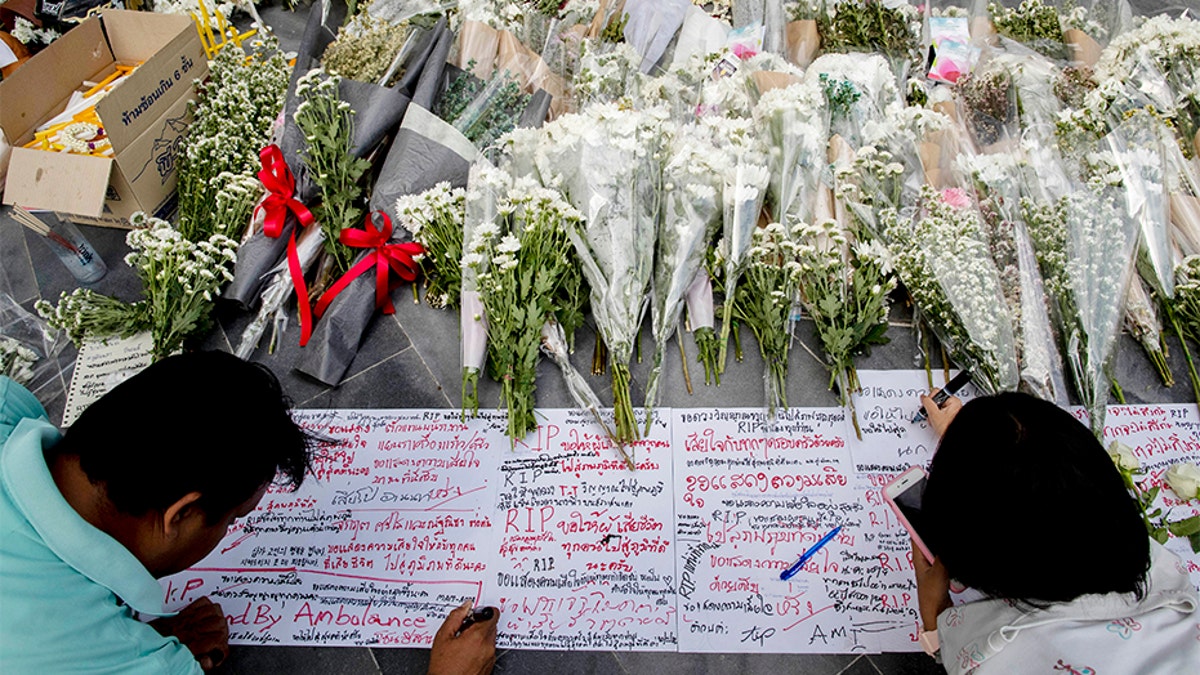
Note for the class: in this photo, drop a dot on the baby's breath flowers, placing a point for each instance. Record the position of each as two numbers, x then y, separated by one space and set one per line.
365 47
1032 23
996 180
180 280
944 262
1085 243
234 113
327 123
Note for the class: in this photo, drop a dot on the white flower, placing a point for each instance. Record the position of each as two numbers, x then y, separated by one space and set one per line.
1184 479
504 261
509 244
486 231
1123 457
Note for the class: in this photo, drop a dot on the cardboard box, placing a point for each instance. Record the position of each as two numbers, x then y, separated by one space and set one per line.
144 117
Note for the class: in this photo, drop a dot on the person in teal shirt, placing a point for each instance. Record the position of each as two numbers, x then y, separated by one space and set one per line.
145 484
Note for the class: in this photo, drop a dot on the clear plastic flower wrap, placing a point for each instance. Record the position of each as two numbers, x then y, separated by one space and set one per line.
890 28
554 346
278 292
1157 64
690 217
742 202
1033 23
30 349
1102 237
604 160
1183 186
1144 170
889 168
944 262
997 183
486 186
769 15
1085 242
651 25
794 125
987 103
859 91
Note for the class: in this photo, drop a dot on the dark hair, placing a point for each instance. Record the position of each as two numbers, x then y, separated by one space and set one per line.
1024 503
206 422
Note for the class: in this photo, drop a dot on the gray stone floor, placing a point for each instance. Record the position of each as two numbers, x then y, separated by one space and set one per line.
411 360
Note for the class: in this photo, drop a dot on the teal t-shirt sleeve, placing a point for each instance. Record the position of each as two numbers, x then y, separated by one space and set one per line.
170 656
16 404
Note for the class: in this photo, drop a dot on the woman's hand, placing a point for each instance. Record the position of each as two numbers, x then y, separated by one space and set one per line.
940 417
933 588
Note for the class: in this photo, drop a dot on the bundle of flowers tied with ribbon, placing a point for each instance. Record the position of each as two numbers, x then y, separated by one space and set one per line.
346 308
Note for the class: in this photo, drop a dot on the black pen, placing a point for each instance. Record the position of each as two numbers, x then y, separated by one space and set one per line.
477 616
957 382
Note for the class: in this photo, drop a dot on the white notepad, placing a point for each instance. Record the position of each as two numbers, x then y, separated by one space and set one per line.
102 365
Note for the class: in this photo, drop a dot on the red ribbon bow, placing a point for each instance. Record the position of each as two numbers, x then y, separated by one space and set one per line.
280 184
277 178
398 258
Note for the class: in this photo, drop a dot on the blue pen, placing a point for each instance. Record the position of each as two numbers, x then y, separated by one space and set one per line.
807 555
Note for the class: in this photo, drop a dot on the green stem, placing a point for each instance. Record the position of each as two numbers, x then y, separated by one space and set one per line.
626 423
726 323
737 345
1187 355
470 392
708 348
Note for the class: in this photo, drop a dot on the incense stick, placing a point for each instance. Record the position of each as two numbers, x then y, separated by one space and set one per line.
34 223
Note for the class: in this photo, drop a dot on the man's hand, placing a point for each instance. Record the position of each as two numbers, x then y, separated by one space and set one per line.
472 652
201 627
940 418
933 588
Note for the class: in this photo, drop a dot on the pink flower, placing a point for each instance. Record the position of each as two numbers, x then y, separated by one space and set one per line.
956 197
743 51
945 70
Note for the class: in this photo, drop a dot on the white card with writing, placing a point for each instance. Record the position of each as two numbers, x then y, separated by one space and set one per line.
585 553
384 538
1160 436
102 365
750 498
891 441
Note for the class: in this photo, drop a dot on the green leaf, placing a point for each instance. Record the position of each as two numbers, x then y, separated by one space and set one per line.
1186 527
1160 535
